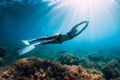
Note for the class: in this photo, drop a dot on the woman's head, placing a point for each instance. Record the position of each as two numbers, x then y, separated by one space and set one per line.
72 33
74 30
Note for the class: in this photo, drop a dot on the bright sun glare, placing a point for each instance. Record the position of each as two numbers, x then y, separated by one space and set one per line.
100 14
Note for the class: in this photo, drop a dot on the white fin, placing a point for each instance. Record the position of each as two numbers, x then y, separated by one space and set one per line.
26 42
26 49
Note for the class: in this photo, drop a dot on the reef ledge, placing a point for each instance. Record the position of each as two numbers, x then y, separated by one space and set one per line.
38 69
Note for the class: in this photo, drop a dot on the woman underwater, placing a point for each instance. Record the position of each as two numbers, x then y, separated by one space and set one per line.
58 37
53 39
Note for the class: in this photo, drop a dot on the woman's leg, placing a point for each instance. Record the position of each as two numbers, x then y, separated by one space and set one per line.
46 38
49 42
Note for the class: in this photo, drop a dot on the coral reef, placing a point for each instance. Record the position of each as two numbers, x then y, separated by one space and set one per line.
69 59
37 69
95 56
86 63
112 70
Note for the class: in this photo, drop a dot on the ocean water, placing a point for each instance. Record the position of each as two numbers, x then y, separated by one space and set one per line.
23 20
30 19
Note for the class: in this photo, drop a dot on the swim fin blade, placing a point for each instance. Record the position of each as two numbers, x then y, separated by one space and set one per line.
27 48
26 42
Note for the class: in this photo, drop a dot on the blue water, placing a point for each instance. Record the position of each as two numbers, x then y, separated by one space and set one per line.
23 20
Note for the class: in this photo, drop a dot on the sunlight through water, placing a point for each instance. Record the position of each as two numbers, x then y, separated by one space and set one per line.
100 13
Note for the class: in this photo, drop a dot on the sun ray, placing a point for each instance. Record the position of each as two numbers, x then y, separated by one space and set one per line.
67 13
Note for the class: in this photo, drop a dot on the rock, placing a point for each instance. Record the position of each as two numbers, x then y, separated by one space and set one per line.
111 70
37 69
86 63
69 59
95 56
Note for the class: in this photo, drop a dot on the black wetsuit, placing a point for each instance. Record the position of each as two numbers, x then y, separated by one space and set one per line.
58 39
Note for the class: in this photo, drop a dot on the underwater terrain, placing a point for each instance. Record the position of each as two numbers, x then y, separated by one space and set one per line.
92 55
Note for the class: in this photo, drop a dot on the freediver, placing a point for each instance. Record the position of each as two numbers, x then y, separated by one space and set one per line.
58 38
53 39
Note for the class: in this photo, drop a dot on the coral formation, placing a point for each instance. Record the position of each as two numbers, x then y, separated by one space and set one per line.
95 56
37 69
69 59
112 70
86 63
